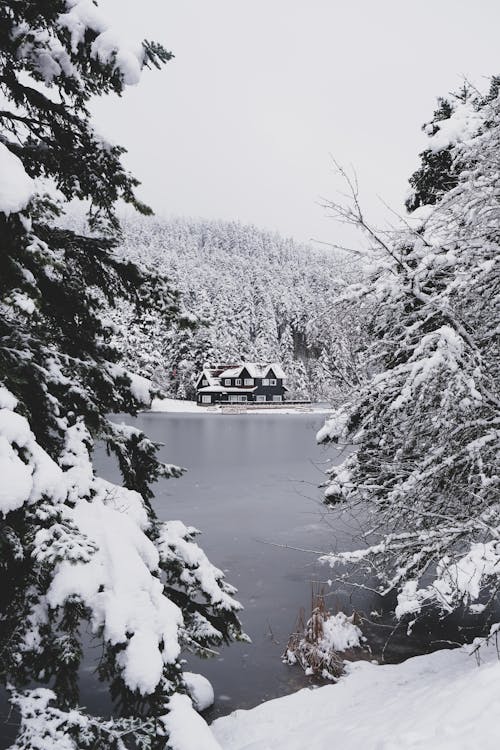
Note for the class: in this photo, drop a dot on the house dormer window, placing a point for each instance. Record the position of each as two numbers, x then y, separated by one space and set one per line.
238 381
248 381
204 382
272 381
227 381
265 381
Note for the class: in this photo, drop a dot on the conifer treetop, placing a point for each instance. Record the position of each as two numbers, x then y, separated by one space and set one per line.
57 55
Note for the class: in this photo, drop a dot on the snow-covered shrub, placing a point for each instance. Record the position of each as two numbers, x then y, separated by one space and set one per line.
77 553
319 645
424 429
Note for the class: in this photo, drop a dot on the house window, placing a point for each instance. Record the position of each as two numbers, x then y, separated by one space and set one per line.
206 399
242 398
272 381
265 381
238 381
277 398
227 381
260 398
204 382
248 381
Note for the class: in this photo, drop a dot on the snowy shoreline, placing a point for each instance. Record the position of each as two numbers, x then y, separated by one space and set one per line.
165 405
440 701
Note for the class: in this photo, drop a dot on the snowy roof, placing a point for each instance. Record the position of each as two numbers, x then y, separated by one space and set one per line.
233 372
254 369
208 375
277 369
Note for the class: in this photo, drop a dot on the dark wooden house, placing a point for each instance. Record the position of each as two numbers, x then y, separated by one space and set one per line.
245 382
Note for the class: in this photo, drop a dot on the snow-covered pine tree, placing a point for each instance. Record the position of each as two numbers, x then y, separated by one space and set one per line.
74 548
424 429
436 174
440 166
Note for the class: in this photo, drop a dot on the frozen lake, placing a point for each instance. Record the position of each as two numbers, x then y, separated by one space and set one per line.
252 483
252 487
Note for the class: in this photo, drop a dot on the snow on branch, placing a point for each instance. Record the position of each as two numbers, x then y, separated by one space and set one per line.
176 545
16 187
50 58
44 726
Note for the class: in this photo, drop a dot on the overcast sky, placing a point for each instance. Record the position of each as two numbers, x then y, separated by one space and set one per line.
242 123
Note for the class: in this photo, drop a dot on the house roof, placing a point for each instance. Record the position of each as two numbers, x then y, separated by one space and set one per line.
232 372
254 369
208 375
277 369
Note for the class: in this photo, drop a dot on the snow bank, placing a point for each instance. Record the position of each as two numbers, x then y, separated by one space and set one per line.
16 187
172 404
187 730
441 701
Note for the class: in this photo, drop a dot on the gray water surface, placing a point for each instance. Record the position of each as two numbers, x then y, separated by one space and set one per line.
252 488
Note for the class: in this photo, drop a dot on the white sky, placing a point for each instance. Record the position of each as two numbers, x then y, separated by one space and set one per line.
241 124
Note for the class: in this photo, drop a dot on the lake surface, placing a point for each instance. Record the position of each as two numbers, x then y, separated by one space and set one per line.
252 488
252 483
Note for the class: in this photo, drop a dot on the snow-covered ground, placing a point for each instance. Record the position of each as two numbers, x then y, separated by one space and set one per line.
172 404
175 405
441 701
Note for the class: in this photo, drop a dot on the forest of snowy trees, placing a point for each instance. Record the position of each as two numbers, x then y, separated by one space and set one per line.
246 294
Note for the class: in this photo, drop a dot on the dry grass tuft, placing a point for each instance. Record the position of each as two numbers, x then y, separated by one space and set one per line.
309 645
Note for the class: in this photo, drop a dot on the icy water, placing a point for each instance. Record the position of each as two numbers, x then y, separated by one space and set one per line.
252 488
